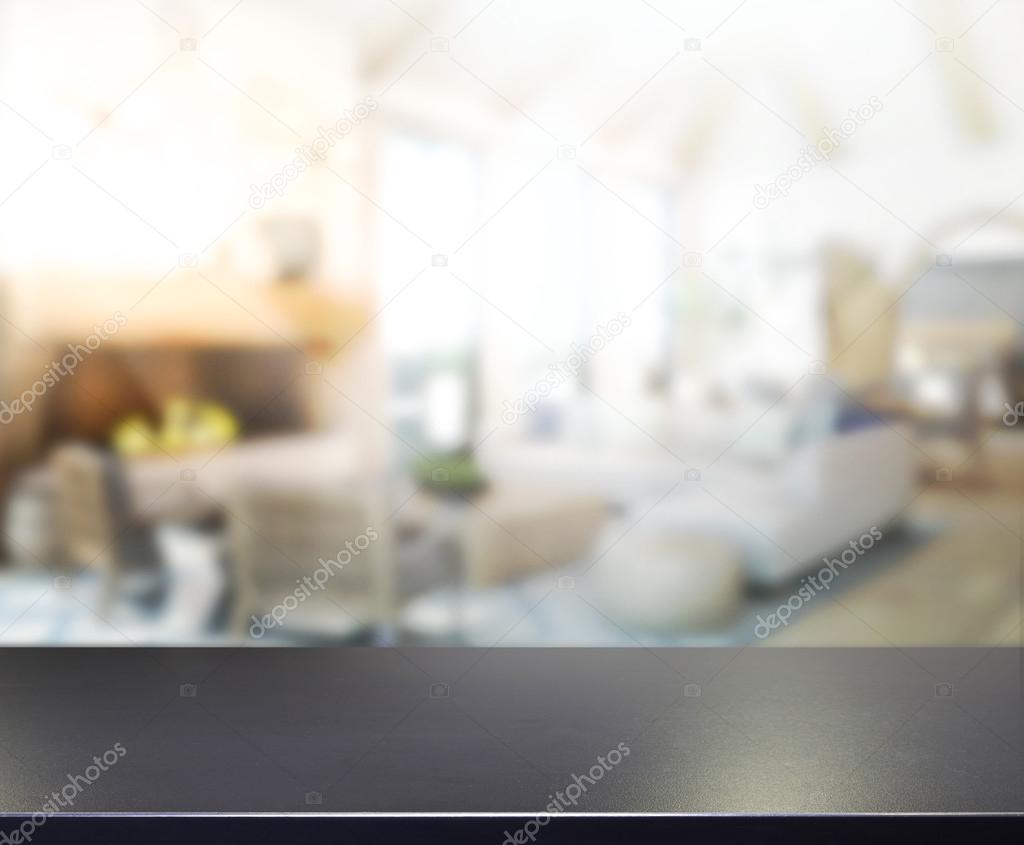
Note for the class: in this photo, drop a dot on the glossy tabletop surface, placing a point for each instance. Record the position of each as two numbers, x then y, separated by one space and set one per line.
511 731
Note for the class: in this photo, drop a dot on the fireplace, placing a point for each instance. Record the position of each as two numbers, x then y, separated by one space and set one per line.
261 386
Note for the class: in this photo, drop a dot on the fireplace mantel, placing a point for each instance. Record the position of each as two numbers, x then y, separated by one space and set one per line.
194 310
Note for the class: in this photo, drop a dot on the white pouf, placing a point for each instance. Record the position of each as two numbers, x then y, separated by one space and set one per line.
667 581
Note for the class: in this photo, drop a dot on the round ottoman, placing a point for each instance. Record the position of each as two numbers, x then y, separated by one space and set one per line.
670 581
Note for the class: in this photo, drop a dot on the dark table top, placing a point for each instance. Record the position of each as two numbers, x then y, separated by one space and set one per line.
506 731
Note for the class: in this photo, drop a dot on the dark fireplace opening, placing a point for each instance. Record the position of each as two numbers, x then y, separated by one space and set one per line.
262 387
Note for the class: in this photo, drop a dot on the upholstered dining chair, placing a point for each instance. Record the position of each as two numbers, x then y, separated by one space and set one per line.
308 564
97 530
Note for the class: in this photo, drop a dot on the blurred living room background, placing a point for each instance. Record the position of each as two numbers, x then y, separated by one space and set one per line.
511 323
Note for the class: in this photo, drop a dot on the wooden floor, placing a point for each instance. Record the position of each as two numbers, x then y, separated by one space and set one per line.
963 587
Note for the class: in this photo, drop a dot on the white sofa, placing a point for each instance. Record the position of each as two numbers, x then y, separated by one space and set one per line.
786 517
